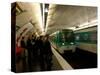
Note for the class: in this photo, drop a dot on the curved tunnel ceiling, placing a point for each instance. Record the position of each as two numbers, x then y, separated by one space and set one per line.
58 16
31 14
65 16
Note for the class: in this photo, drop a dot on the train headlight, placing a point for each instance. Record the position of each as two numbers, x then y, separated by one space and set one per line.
71 43
63 44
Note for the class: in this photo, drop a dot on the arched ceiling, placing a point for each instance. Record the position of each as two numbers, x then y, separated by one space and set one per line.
66 16
30 13
57 17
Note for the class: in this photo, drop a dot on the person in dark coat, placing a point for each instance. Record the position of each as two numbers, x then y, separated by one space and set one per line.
29 50
23 46
41 53
45 54
23 43
48 53
34 50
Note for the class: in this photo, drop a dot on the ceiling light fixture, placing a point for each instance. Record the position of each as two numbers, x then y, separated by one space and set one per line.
46 9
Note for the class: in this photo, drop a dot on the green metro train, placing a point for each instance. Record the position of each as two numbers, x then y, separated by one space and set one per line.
64 40
67 39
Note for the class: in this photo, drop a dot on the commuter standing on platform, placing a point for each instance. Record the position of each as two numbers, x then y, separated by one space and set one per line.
34 51
29 48
41 53
47 53
23 46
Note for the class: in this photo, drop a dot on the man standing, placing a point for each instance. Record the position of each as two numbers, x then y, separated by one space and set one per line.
29 50
23 46
48 53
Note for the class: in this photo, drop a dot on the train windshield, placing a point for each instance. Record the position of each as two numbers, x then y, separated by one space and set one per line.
67 36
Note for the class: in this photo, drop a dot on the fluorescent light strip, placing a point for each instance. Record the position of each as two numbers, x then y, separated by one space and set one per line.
38 16
46 10
85 25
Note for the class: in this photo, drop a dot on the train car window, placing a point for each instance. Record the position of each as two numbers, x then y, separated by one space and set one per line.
86 37
93 36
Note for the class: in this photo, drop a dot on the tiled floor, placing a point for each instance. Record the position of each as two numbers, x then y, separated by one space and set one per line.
35 66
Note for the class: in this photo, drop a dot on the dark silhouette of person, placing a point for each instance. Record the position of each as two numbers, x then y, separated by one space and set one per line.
23 43
34 50
48 53
23 46
41 53
29 50
45 54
